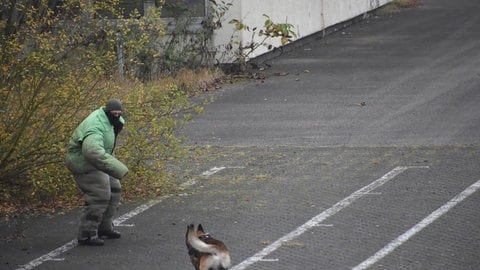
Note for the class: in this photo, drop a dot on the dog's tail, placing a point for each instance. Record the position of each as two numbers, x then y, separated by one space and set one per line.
196 243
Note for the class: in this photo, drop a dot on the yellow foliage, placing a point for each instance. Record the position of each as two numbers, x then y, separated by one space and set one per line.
53 77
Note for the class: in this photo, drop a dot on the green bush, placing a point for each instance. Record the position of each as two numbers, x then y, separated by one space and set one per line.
149 141
57 65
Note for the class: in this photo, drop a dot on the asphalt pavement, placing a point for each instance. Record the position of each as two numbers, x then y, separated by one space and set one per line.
359 150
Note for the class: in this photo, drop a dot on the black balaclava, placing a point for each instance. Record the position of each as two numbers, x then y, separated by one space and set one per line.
114 105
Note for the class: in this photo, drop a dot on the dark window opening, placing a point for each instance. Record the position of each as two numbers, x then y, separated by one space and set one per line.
171 8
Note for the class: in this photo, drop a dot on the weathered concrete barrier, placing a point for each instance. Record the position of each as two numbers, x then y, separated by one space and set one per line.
307 16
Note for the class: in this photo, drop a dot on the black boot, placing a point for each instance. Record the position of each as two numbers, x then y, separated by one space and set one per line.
91 241
111 234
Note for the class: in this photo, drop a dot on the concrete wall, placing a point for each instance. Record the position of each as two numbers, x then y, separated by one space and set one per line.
307 16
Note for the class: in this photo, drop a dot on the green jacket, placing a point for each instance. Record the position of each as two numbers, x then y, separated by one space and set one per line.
91 147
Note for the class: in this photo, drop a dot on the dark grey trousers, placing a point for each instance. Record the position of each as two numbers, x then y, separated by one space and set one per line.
101 194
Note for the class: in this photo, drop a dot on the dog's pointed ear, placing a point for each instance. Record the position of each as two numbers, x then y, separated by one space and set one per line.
200 228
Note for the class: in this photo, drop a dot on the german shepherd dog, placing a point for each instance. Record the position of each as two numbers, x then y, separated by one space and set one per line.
206 252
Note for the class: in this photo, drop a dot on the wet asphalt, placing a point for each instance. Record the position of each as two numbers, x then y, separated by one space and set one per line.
281 168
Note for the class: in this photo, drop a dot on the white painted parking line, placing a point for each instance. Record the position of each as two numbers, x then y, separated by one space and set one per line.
140 209
212 171
270 260
324 225
49 256
418 227
215 170
57 259
125 225
315 221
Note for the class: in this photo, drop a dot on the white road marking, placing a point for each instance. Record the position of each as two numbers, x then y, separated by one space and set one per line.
213 171
324 225
57 259
50 256
125 225
373 193
418 227
270 260
322 216
140 209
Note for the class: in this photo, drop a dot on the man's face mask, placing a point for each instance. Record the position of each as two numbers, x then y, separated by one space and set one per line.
114 118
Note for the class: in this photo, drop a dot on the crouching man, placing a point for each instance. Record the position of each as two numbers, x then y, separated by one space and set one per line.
97 172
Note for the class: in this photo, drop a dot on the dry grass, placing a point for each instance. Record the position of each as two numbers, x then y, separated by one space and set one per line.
203 80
